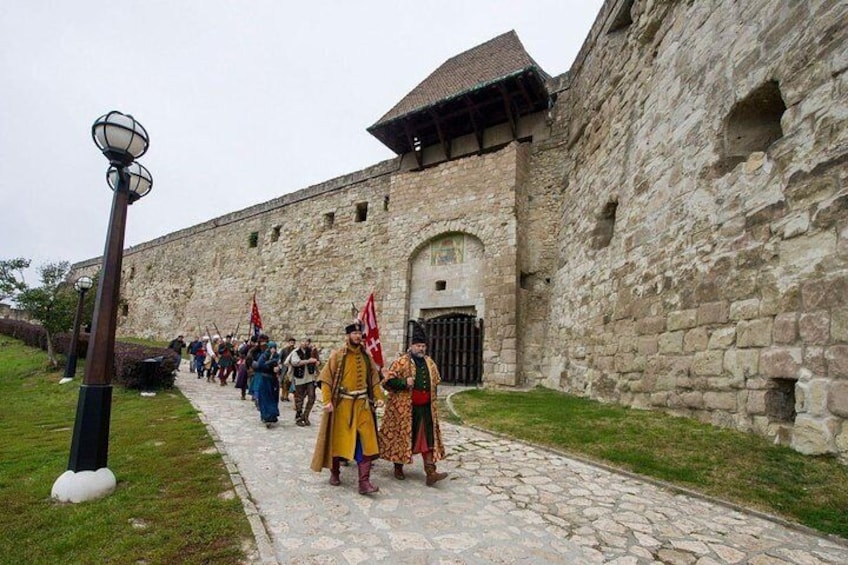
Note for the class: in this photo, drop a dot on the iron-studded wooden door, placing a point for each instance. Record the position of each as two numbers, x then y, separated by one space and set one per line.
455 342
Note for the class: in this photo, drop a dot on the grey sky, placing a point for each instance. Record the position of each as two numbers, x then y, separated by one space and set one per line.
244 101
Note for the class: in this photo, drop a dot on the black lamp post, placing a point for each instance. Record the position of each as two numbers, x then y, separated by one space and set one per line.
81 286
122 140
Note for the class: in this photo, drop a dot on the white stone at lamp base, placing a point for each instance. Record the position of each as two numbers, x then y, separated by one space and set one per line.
66 380
82 486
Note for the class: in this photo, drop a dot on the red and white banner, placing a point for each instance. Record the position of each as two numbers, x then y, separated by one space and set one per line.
255 318
370 331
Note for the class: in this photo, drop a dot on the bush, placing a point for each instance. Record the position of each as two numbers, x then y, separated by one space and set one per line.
130 370
30 334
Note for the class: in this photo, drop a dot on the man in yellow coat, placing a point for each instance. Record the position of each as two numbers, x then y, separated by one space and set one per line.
411 420
350 388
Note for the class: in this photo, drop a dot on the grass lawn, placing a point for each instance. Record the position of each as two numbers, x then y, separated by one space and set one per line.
174 502
727 464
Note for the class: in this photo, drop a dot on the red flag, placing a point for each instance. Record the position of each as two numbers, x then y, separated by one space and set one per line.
255 318
370 331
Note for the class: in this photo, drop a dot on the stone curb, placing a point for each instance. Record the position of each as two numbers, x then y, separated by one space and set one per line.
662 484
264 545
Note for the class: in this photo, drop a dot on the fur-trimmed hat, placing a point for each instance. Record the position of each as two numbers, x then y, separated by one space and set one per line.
354 327
418 334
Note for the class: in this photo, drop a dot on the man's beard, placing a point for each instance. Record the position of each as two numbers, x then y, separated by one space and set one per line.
418 354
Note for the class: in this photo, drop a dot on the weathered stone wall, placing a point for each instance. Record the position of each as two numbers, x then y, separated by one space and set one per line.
672 237
475 196
721 292
306 273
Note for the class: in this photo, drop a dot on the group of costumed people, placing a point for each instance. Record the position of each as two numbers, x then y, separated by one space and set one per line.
352 387
262 370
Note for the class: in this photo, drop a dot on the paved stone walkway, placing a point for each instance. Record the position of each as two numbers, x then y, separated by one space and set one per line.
504 502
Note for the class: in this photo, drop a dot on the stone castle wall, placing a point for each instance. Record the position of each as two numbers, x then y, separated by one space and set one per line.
721 292
650 245
308 270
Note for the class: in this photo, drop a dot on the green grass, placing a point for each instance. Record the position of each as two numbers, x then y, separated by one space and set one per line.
171 481
728 464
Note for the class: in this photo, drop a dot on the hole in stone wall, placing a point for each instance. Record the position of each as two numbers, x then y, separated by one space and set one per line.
753 124
125 309
605 228
329 219
441 285
361 211
622 18
386 203
780 400
275 233
253 239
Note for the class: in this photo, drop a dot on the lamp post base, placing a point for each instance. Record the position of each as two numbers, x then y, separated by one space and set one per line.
82 486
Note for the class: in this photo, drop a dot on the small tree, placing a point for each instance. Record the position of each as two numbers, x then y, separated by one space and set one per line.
52 304
12 277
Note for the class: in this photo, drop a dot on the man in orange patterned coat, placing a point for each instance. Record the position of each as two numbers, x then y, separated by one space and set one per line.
411 420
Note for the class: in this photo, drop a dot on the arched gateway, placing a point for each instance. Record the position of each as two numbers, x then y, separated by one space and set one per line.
446 295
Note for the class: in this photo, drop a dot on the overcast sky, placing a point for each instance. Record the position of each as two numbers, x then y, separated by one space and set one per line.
243 101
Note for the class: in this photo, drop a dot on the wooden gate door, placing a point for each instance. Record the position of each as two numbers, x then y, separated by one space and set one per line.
455 342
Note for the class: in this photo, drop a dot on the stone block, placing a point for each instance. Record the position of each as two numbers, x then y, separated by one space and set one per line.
780 362
605 363
837 399
671 342
741 363
647 345
713 313
682 320
839 324
659 399
651 325
720 401
815 361
815 397
785 329
814 327
842 444
696 339
745 309
666 382
707 363
837 361
754 333
756 402
723 383
822 294
814 436
693 399
629 362
722 338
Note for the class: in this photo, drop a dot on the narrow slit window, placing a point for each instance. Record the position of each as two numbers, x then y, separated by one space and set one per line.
275 233
253 239
623 17
605 228
361 211
329 220
441 285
